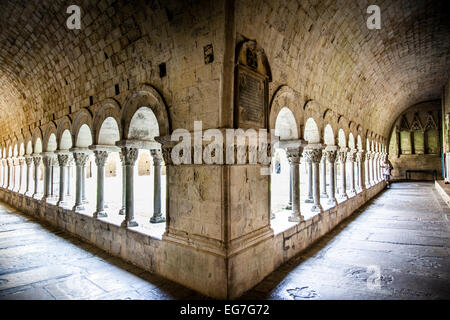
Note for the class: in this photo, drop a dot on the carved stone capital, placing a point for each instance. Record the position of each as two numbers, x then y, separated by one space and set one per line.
28 161
100 157
313 155
293 155
342 156
63 160
157 157
351 156
360 156
330 155
37 160
129 155
48 160
166 153
80 158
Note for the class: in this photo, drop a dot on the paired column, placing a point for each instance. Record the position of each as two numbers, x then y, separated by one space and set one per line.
81 158
37 162
342 156
309 182
130 156
157 212
370 167
330 155
101 157
12 179
351 161
63 161
293 155
10 173
124 184
20 162
48 163
323 177
28 161
360 160
313 154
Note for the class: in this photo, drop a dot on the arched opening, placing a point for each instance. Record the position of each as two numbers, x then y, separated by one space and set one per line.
341 168
109 134
89 185
281 175
144 127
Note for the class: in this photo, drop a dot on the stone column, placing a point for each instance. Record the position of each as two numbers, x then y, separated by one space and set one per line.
124 184
47 160
130 156
10 173
81 159
83 183
342 156
69 178
289 205
293 155
157 214
63 161
360 158
1 173
21 162
376 167
12 176
28 161
330 155
37 162
309 181
100 160
323 177
314 156
369 167
351 161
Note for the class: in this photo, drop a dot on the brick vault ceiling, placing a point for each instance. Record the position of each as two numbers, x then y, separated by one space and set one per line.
321 48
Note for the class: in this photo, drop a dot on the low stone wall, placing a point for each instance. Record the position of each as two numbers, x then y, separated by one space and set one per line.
443 190
211 274
250 267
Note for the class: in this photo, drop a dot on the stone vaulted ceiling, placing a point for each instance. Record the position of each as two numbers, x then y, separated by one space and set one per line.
321 48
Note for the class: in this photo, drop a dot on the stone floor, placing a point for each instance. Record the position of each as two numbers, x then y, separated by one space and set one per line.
396 247
403 236
40 262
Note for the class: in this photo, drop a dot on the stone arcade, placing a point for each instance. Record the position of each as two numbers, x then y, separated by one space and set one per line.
87 117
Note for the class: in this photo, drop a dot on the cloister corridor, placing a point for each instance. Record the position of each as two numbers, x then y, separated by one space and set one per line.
400 240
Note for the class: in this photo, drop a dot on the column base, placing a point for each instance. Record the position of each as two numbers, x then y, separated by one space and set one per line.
332 202
272 215
128 224
324 195
316 208
61 204
343 196
122 212
79 207
157 219
351 192
296 218
100 214
309 200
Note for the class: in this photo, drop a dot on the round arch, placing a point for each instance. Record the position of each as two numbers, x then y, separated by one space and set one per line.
109 110
146 96
286 125
312 133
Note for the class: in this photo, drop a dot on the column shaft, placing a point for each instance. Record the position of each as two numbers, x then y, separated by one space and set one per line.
157 214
